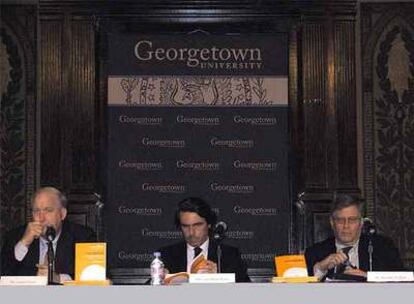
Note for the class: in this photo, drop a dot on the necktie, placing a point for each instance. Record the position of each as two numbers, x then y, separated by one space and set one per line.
197 251
341 268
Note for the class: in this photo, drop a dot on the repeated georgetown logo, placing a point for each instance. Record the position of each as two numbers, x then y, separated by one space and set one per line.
202 58
232 143
240 235
198 121
176 189
255 166
239 189
163 143
198 166
146 232
255 121
140 166
143 121
255 211
143 211
135 256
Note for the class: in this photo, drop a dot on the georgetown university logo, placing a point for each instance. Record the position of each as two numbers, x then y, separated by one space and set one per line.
198 121
255 121
255 166
237 188
143 121
140 166
163 143
143 211
232 143
255 211
202 58
176 189
198 166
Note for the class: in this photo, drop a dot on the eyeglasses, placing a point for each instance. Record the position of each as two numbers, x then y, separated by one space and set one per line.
350 220
44 210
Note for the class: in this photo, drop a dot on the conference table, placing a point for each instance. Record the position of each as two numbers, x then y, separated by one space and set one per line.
241 293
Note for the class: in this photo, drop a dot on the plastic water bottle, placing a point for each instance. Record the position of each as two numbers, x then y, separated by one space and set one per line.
157 270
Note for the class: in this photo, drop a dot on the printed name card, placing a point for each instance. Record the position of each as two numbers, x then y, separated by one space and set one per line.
207 278
24 280
390 276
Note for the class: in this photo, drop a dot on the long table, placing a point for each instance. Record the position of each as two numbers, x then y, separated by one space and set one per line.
310 293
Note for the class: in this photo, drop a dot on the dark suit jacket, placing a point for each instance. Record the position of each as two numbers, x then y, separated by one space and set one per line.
175 259
64 256
385 255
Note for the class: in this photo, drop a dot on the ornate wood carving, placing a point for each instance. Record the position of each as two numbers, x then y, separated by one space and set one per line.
388 87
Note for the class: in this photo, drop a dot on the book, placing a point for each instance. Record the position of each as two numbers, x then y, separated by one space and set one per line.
288 266
90 262
183 277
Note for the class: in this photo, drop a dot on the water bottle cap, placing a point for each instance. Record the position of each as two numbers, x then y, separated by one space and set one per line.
157 254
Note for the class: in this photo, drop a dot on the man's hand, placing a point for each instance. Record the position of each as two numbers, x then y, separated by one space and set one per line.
331 261
33 231
208 267
357 272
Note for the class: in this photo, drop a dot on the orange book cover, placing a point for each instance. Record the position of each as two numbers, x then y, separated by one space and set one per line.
90 261
291 266
183 277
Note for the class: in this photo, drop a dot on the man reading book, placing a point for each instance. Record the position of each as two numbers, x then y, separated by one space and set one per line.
195 219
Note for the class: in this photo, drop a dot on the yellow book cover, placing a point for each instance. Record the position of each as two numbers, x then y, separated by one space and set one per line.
90 261
291 266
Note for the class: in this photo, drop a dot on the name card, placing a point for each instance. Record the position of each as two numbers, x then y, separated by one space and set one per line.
24 280
390 276
207 278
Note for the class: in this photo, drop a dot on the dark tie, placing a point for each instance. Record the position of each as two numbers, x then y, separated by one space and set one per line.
197 251
341 268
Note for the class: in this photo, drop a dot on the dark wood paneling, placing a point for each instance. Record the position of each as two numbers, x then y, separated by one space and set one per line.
345 100
51 99
314 101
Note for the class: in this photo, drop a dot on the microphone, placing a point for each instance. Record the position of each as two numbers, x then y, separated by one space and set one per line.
369 226
219 229
50 233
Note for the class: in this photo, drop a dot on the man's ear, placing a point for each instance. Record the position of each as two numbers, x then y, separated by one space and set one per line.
331 222
63 213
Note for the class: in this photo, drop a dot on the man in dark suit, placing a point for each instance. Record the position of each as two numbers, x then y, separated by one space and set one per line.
195 219
25 249
347 252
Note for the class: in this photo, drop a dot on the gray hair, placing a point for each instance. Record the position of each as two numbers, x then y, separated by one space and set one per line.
52 190
341 201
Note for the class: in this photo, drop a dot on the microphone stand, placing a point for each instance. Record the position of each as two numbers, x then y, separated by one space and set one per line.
51 263
370 251
219 254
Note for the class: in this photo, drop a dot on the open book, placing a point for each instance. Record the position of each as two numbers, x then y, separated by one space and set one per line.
182 277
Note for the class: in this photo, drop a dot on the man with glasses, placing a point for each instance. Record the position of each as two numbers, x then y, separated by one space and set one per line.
347 252
24 252
196 219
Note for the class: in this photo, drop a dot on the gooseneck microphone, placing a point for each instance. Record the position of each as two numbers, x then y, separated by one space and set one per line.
50 233
369 226
219 230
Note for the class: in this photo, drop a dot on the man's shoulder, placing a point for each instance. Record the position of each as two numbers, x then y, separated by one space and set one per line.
321 246
78 231
173 247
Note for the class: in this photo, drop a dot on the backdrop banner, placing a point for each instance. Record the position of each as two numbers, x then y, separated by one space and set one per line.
197 115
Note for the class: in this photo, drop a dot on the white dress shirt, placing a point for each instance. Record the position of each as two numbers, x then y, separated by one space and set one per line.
20 251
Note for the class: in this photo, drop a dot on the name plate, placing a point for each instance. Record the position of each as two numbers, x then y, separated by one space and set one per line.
212 278
24 280
390 276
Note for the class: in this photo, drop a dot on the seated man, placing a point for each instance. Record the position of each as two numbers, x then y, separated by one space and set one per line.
195 219
25 249
347 251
